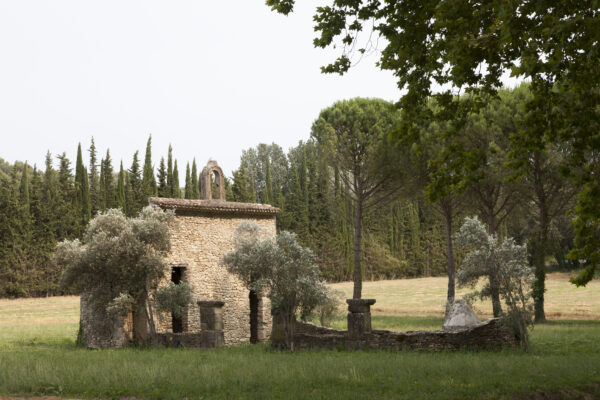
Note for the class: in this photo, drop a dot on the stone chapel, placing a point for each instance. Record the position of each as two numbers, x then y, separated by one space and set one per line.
223 310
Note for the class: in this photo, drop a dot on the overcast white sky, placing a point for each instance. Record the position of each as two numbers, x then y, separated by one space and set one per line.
211 78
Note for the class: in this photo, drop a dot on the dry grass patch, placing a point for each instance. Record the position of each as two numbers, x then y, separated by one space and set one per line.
50 310
427 296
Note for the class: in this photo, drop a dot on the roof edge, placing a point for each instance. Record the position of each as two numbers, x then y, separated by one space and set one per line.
213 206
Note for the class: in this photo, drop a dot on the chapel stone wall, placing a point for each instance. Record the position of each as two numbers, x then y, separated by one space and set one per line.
201 234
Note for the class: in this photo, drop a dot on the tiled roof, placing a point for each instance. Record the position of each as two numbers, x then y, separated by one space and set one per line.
213 206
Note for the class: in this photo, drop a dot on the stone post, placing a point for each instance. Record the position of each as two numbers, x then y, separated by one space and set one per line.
359 317
211 323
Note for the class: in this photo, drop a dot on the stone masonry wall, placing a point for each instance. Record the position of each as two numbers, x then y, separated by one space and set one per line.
198 242
101 330
490 335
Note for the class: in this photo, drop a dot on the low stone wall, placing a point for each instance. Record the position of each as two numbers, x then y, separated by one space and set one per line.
201 340
490 335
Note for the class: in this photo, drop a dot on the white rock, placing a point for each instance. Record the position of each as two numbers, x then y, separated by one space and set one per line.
460 317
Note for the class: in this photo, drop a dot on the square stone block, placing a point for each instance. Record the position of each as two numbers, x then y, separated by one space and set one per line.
360 305
358 324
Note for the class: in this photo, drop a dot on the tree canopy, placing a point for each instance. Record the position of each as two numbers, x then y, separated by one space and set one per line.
466 47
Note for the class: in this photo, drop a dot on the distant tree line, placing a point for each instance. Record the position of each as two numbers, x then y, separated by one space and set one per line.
516 189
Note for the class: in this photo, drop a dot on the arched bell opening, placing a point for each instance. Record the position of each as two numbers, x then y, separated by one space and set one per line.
213 182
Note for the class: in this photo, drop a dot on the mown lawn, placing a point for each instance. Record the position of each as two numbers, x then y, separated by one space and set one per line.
38 357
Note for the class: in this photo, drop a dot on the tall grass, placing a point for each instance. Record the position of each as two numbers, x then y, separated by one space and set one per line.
38 356
564 355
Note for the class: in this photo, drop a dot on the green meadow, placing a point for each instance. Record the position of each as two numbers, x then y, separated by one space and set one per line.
38 357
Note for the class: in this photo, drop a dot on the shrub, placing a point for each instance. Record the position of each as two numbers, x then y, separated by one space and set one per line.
505 262
282 269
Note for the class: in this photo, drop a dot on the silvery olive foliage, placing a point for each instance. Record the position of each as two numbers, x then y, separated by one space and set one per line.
330 307
120 305
120 261
281 268
506 262
173 298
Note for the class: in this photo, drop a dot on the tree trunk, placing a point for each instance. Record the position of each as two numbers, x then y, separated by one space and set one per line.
357 249
289 324
447 210
539 286
495 295
494 284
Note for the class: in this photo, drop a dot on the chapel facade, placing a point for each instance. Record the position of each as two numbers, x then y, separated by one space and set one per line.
223 310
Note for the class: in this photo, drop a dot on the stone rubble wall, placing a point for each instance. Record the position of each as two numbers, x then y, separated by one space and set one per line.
198 242
490 335
199 340
101 330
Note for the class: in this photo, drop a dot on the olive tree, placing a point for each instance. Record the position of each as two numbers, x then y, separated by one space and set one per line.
119 263
504 262
281 268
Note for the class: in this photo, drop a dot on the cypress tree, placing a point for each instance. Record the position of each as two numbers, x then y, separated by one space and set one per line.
102 189
134 188
109 195
302 201
176 188
10 240
122 190
268 183
68 210
83 189
188 183
43 274
148 181
240 189
195 181
251 190
24 193
293 212
170 184
163 188
95 198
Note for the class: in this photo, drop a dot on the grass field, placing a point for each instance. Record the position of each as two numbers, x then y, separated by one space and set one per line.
38 357
427 296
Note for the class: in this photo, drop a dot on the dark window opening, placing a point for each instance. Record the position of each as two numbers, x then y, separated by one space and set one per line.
253 317
176 278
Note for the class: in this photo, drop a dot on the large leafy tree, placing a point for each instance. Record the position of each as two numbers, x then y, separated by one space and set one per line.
353 132
468 46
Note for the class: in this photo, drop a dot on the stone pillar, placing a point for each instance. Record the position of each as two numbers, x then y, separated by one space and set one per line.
359 317
211 323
